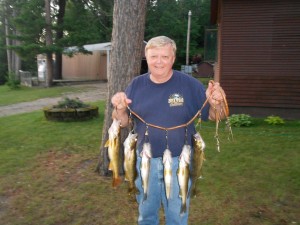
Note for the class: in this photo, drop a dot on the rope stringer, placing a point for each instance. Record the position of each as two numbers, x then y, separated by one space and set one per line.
169 128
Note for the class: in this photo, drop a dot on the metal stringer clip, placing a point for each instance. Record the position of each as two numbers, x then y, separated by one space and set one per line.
147 133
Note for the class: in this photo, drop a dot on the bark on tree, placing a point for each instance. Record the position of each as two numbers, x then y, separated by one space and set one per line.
49 42
13 60
8 51
59 36
125 63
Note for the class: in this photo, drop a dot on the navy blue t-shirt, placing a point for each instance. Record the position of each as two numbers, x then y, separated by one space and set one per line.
168 104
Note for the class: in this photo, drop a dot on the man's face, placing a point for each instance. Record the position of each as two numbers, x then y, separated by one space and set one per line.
160 60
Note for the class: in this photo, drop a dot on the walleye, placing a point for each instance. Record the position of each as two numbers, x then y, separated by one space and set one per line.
113 144
197 161
183 174
167 160
145 167
130 161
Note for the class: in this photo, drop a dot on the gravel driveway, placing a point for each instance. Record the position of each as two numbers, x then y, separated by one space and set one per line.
96 92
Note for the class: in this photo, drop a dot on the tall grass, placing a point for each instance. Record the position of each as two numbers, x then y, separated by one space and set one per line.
47 175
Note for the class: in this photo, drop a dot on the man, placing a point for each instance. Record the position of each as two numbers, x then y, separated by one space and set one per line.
166 98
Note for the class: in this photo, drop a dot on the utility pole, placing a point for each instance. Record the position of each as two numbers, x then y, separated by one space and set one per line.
188 38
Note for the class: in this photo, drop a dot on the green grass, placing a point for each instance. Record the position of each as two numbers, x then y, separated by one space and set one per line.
47 175
23 94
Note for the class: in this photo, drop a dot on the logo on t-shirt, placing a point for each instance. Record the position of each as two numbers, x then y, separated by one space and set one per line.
176 100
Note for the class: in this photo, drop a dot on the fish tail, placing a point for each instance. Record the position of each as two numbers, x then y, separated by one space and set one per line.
133 190
116 182
168 192
194 192
130 190
145 197
191 191
183 209
107 143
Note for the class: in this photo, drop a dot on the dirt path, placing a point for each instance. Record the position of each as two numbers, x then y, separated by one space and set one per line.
95 92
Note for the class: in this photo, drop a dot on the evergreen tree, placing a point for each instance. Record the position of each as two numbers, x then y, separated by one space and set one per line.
170 18
80 22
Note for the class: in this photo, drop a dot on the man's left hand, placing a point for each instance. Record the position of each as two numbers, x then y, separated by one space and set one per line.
215 93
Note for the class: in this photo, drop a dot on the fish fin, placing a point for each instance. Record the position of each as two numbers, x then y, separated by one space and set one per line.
145 197
180 193
107 143
110 167
116 182
126 177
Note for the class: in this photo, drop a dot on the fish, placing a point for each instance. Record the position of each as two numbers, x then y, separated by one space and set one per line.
145 167
113 145
167 161
130 158
197 161
183 175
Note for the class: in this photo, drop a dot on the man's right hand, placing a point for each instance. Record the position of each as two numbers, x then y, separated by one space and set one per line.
120 101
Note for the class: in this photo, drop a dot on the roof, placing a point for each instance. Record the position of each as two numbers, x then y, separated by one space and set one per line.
90 47
98 47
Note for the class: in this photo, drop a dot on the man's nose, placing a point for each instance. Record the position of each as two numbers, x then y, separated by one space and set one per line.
159 59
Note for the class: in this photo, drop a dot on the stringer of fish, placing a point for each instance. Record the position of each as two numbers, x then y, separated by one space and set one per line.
183 174
167 161
130 158
113 145
145 167
197 161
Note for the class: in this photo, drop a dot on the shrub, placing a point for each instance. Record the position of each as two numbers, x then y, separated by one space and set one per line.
240 120
70 103
12 81
70 110
274 120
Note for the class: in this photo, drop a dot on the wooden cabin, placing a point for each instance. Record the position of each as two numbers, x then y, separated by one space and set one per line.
258 59
86 67
90 67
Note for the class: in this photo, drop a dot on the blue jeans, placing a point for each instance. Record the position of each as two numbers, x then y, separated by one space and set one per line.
149 209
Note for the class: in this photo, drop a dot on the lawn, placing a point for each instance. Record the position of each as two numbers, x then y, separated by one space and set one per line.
23 94
47 175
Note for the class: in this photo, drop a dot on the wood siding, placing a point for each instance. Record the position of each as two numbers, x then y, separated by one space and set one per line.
85 66
259 53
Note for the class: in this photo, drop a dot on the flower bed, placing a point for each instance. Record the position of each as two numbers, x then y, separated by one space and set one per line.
70 110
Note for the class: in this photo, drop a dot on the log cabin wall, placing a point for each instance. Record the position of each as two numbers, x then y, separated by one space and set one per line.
259 56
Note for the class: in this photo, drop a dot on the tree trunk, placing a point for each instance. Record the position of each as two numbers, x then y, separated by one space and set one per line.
59 36
125 62
13 60
8 51
16 58
49 74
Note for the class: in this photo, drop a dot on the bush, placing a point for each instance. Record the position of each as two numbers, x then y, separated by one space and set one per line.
240 120
12 81
274 120
71 104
